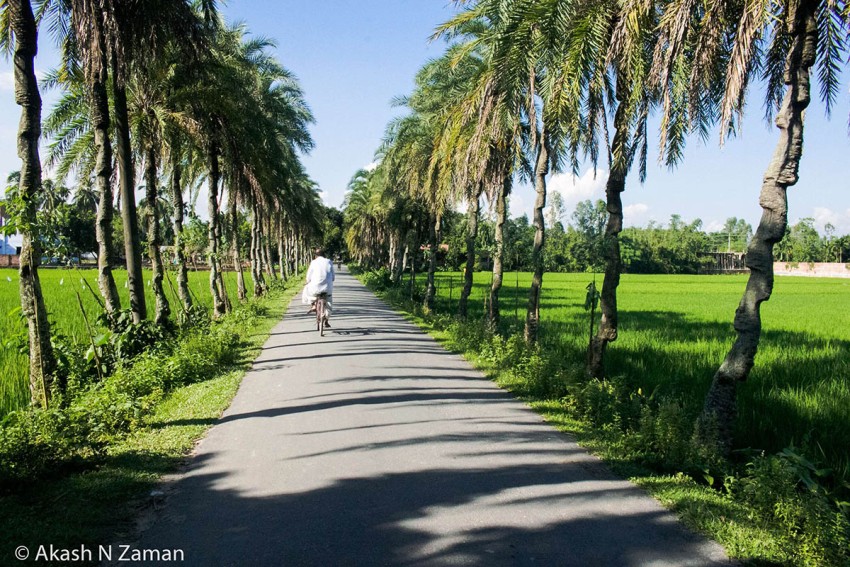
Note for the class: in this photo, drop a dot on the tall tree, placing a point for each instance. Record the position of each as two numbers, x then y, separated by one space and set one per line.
81 120
487 132
22 26
136 33
723 48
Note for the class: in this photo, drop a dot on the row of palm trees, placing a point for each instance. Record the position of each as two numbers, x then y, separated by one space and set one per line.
167 89
530 87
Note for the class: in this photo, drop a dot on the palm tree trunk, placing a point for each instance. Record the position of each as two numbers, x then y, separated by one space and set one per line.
406 258
152 195
267 253
219 307
256 253
616 184
179 246
241 292
287 252
103 179
222 290
281 254
399 259
471 234
433 239
132 242
541 169
499 253
290 252
715 424
42 362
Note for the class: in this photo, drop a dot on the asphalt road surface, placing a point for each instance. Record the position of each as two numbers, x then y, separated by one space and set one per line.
374 446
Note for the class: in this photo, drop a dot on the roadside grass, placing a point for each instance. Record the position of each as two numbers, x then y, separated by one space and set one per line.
60 287
675 330
99 504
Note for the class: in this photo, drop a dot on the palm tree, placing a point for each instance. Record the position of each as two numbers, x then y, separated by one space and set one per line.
153 120
137 35
586 57
494 149
20 25
177 149
723 48
456 76
80 129
408 157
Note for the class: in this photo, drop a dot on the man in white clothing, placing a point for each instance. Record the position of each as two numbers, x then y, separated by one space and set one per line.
320 279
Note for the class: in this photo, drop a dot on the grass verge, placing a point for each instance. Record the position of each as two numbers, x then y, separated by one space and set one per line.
98 504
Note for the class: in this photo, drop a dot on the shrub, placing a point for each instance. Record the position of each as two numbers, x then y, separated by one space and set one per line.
786 491
91 414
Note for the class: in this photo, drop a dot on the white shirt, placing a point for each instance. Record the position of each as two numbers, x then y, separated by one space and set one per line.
320 277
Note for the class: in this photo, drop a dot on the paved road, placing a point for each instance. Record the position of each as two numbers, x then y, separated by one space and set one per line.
374 446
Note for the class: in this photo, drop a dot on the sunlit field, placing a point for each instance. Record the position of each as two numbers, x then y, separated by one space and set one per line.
60 289
675 331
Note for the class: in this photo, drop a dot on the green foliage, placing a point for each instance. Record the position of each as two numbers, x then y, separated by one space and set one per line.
678 249
802 243
379 280
95 414
786 492
129 339
60 288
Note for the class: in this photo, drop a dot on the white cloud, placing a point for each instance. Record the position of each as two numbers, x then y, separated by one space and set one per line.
636 214
714 226
517 206
589 185
825 215
7 81
635 210
371 166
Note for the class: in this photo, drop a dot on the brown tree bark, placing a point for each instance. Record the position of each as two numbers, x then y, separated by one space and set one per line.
400 255
163 311
472 214
716 422
127 188
616 184
179 246
541 170
433 241
499 252
241 292
256 253
266 245
219 307
281 253
42 366
103 182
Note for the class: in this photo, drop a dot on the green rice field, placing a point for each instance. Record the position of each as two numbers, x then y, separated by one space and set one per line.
675 331
60 287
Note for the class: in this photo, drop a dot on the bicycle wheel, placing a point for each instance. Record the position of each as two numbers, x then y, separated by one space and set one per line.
318 313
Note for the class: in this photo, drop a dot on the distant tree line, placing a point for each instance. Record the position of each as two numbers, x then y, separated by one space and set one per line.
677 247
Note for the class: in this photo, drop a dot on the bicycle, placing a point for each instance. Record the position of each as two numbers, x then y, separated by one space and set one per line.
321 318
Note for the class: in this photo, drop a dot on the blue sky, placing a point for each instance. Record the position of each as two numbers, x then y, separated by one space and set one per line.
352 58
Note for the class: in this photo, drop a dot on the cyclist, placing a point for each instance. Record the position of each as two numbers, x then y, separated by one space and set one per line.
320 279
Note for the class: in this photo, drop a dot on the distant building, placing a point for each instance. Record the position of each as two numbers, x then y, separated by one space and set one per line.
7 250
725 263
